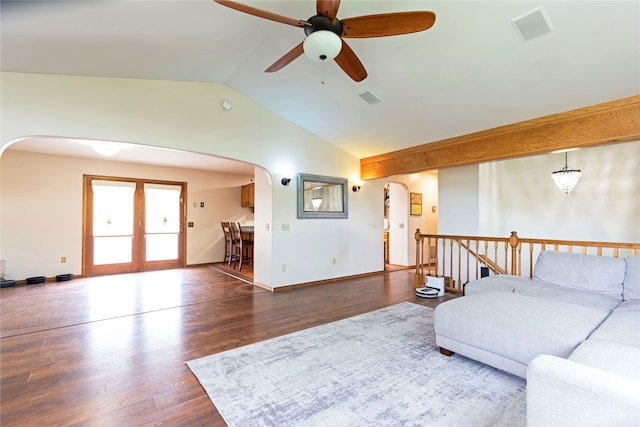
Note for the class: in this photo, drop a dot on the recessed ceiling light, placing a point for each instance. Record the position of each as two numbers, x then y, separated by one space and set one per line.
105 148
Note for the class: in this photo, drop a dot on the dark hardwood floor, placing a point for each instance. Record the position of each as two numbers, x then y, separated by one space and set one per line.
110 351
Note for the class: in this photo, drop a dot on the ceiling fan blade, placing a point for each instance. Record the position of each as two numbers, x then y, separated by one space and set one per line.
349 62
387 24
328 8
262 13
286 59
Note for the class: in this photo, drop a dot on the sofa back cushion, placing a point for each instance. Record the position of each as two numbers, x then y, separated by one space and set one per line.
631 285
601 274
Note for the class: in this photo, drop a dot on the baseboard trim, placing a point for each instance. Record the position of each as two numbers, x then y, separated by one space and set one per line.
263 286
322 282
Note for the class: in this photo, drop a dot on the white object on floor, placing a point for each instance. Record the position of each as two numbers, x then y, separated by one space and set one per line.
435 282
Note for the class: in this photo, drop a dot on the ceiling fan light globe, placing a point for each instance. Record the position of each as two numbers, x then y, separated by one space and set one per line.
322 45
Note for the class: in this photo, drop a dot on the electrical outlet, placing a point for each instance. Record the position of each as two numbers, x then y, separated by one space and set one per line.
284 268
266 227
285 227
334 260
63 259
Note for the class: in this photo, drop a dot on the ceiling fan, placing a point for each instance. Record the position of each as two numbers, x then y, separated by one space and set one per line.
325 32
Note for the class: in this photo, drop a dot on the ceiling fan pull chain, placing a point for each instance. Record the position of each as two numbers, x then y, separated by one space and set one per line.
322 81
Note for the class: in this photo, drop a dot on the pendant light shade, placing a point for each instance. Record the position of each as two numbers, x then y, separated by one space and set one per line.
322 45
565 178
316 202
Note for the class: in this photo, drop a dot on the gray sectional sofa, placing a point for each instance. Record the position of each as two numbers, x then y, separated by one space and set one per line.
573 331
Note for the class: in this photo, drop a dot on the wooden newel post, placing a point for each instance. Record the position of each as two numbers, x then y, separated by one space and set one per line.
513 242
418 278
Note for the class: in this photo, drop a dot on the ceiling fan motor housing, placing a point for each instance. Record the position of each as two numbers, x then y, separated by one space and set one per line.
319 22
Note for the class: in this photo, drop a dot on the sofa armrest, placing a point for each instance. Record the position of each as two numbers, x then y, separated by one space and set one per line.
561 392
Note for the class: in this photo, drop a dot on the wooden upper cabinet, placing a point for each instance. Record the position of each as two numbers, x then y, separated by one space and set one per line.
248 192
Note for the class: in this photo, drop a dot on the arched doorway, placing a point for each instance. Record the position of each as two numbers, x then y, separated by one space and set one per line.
396 214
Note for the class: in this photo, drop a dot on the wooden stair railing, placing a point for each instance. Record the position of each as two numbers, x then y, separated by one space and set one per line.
484 259
459 258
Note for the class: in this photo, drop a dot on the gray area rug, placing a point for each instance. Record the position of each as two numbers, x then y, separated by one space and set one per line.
377 369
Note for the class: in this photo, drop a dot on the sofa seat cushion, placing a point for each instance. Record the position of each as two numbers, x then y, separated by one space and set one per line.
514 326
601 274
499 283
622 326
609 356
631 285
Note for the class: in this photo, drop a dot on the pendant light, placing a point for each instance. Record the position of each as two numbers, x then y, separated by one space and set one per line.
565 178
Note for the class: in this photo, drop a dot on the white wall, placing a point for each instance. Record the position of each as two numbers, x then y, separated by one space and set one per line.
496 198
42 209
459 200
520 195
263 220
187 116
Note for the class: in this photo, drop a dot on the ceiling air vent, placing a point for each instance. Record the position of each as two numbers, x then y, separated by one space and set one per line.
370 98
533 23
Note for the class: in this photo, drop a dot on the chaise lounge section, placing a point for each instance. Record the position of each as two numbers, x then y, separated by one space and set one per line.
573 331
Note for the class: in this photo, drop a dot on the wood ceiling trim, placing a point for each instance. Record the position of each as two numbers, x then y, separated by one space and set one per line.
606 123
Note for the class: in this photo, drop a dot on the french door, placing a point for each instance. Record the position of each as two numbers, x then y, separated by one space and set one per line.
132 225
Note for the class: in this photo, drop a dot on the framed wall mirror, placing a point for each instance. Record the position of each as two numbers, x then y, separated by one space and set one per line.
322 197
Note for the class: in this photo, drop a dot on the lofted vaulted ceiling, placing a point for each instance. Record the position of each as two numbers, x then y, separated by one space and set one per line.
471 71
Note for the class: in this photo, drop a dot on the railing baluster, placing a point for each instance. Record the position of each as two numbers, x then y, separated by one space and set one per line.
531 259
457 284
477 258
468 259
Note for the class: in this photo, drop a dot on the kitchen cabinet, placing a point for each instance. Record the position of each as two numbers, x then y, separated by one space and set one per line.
247 195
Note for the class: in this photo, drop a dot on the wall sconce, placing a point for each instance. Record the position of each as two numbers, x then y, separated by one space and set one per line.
285 181
355 188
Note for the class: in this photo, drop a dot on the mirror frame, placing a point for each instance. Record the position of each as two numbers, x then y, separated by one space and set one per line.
342 214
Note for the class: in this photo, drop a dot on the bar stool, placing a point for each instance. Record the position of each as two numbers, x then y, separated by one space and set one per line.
236 246
226 229
247 246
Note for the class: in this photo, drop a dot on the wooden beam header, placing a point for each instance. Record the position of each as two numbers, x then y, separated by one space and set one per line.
609 122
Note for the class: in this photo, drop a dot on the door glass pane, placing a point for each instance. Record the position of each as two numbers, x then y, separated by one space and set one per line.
162 247
162 221
112 221
111 250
